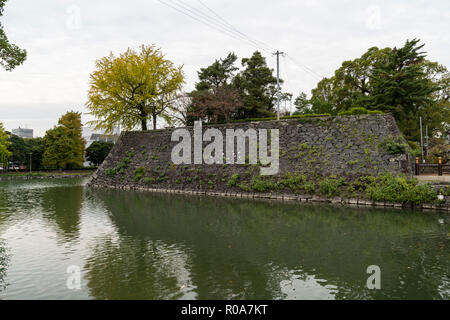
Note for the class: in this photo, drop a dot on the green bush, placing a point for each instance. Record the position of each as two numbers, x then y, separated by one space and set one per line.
414 149
262 184
293 181
233 180
295 116
123 164
138 174
309 187
130 154
359 110
149 180
110 172
394 146
390 188
331 186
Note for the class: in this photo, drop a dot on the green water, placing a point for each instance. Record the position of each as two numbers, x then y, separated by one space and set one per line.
137 245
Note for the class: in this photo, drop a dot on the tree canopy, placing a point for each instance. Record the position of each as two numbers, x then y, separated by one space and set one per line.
396 80
4 144
224 93
219 73
257 87
64 144
98 151
129 89
10 54
22 147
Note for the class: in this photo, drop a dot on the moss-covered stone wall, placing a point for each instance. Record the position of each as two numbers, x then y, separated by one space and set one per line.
310 149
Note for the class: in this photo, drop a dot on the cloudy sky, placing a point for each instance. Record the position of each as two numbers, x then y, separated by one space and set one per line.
64 38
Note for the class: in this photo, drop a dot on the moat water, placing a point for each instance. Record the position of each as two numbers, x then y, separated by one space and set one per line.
140 245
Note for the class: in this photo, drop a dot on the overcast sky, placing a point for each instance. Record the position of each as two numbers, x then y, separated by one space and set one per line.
64 38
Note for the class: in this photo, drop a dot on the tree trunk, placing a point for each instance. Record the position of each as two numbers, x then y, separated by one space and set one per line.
144 124
154 122
143 115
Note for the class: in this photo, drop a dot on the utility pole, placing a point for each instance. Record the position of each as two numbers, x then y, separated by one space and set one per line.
278 82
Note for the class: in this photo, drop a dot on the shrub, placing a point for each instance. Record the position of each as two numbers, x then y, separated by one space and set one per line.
244 186
138 174
123 164
390 188
331 187
293 181
261 185
394 146
295 116
309 187
359 110
149 180
438 148
110 172
233 180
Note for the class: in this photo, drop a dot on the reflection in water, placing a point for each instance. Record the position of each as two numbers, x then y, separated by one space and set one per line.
62 206
137 269
134 245
267 250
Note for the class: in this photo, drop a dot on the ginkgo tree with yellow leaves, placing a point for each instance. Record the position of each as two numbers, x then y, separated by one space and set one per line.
132 88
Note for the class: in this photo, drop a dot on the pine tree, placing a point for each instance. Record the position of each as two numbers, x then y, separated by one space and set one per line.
257 86
400 85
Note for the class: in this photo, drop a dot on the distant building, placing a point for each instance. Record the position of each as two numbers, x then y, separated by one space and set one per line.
23 133
91 136
103 137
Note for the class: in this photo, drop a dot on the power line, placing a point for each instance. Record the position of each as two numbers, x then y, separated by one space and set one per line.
234 28
288 84
208 21
225 25
306 69
221 25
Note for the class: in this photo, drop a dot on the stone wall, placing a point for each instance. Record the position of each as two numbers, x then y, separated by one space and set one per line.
343 146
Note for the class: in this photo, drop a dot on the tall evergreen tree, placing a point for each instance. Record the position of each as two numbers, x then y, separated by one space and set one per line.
214 98
401 86
219 73
257 86
302 104
398 80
